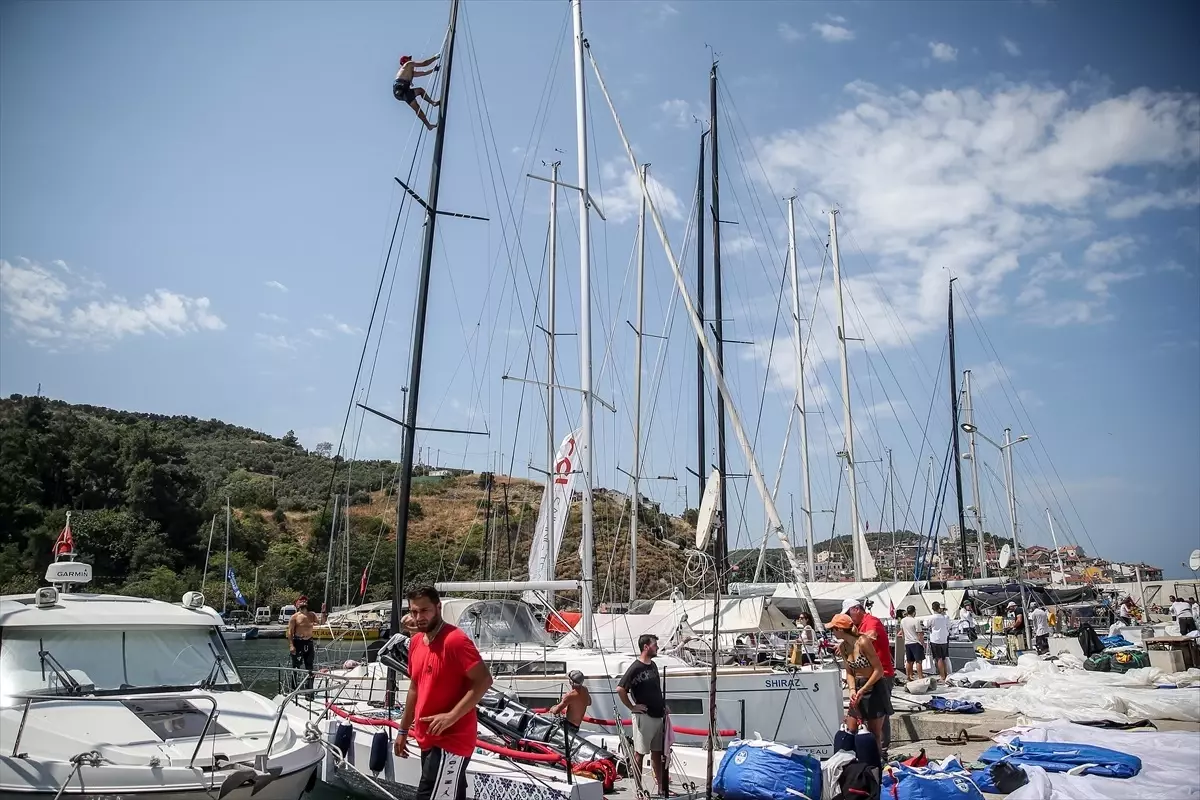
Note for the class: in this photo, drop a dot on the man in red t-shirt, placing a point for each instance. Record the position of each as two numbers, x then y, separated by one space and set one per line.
870 626
446 680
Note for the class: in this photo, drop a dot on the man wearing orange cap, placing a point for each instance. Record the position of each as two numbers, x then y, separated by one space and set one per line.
402 88
300 638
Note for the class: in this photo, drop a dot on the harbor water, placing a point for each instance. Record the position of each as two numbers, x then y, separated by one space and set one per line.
257 661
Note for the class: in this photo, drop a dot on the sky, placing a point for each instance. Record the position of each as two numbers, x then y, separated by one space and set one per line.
198 199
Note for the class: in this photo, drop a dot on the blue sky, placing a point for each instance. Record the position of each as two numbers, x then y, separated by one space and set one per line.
197 199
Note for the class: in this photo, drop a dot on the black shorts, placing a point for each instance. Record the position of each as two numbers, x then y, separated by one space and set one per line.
1041 644
443 775
914 652
1186 625
940 650
403 91
876 703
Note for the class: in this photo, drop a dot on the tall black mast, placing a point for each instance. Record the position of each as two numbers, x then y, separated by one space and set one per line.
718 327
701 469
962 524
404 490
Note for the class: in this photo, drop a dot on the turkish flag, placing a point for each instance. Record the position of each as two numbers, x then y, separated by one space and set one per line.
362 586
65 543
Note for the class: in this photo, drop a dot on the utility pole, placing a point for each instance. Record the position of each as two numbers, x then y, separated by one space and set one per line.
855 531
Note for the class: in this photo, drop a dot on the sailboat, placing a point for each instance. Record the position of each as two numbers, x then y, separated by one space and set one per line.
239 627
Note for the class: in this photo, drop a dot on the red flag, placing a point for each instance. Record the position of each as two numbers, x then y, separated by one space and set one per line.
65 543
362 587
891 609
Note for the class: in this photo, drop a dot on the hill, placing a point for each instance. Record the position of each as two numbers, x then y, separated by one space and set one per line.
148 491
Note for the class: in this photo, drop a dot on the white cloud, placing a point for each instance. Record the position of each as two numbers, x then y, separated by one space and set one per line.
275 285
318 333
678 112
943 52
275 341
271 317
1108 251
53 305
1010 47
788 33
984 186
1136 205
622 198
833 33
342 327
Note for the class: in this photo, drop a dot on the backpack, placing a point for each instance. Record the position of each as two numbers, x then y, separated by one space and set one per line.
1089 641
858 781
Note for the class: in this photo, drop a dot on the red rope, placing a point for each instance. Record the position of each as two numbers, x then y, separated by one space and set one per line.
611 723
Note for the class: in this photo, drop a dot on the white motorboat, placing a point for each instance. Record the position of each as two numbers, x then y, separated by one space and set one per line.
122 697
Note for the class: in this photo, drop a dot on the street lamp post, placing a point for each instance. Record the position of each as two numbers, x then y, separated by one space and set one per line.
1010 488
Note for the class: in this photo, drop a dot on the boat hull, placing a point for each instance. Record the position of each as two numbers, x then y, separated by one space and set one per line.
143 782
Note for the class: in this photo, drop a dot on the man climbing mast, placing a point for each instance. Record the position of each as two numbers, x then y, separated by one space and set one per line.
402 88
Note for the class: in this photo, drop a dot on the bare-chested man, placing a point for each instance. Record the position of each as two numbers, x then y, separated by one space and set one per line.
300 638
575 702
403 90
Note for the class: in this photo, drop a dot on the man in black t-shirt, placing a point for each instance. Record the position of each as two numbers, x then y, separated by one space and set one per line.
642 682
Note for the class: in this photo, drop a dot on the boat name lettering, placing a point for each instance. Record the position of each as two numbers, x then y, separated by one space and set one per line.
789 683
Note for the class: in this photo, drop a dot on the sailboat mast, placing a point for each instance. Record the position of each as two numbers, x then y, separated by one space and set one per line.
701 470
637 396
329 563
855 531
722 564
225 594
551 315
212 528
1054 540
969 418
404 489
801 409
962 520
586 543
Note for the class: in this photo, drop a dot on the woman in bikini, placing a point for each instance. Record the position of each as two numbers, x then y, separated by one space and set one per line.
869 699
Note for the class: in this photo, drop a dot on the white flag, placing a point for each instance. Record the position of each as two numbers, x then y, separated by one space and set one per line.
543 554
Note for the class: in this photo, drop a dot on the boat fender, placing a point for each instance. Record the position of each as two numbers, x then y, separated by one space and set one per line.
343 738
379 752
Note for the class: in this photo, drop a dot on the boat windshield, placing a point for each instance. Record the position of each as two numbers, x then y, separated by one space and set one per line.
99 661
499 623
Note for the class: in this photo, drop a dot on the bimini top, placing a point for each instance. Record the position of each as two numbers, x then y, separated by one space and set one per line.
101 610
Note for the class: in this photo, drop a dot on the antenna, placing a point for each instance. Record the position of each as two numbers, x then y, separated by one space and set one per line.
1005 556
1194 561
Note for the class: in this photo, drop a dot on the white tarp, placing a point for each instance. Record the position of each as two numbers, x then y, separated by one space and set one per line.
1168 765
884 594
620 632
1046 692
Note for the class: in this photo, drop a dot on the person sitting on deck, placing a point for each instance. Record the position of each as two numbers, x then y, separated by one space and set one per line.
403 90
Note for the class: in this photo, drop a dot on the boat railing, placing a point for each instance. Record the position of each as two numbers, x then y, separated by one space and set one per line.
31 698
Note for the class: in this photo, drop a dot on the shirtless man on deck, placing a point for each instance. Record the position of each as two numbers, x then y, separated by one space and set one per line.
300 638
575 702
402 88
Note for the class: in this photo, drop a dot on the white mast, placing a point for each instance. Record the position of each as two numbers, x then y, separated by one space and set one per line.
1057 552
586 543
855 533
636 473
800 401
977 498
211 529
550 333
762 550
760 483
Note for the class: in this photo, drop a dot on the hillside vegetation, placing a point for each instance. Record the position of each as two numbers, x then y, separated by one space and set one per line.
146 491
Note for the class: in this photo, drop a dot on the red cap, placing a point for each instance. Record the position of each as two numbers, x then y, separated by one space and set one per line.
301 600
404 60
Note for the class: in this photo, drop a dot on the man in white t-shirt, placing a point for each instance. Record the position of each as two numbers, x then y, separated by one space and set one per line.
1039 618
939 639
914 644
1182 611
